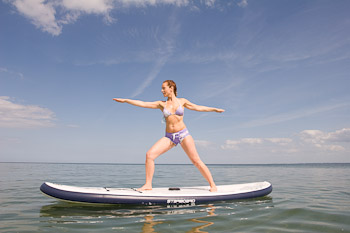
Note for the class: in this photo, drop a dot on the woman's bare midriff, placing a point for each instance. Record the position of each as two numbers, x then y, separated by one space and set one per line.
174 124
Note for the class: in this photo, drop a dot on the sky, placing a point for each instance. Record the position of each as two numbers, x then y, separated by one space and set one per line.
280 69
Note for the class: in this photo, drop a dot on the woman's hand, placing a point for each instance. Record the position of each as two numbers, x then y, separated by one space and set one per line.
120 100
219 110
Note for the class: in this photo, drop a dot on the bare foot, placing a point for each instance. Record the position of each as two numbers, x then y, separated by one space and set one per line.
144 188
213 189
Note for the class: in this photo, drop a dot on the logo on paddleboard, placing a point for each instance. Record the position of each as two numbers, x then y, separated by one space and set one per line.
181 201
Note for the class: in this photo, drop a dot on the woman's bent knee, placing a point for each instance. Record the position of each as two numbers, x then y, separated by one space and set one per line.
149 156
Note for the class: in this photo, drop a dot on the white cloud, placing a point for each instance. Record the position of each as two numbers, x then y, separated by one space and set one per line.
203 143
209 2
89 6
342 135
280 141
14 115
243 3
144 3
12 73
41 13
231 144
234 144
326 141
77 7
51 15
312 136
251 141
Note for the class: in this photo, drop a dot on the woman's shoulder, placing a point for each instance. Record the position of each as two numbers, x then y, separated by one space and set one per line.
183 100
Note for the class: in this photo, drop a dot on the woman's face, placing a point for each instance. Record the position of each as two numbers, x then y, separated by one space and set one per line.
166 90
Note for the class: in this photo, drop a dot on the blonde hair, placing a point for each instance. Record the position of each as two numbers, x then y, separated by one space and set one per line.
172 84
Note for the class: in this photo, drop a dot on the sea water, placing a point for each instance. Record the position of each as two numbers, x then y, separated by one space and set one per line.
305 198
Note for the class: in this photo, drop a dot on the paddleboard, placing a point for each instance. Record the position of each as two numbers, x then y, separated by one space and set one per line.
168 196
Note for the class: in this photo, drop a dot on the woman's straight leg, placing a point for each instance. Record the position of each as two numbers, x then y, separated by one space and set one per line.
189 147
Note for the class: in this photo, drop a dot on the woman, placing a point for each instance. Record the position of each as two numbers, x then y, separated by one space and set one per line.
176 131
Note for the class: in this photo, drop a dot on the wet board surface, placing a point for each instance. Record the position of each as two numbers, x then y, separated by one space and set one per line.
169 195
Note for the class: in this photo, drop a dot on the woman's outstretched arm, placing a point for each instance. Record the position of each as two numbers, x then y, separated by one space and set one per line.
139 103
200 108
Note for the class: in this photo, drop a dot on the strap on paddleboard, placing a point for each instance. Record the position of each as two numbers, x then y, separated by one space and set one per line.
135 189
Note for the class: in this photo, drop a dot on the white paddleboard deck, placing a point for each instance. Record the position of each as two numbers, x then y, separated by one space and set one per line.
182 195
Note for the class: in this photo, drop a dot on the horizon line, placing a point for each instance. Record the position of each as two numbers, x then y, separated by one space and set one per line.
97 163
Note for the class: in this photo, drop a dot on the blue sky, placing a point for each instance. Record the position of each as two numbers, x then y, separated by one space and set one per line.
279 68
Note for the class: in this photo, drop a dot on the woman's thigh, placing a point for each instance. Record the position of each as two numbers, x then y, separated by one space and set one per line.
160 147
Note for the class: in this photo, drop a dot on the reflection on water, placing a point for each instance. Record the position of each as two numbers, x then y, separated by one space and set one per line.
149 224
211 212
63 209
146 219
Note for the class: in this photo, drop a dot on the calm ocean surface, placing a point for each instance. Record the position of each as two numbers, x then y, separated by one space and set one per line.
305 198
